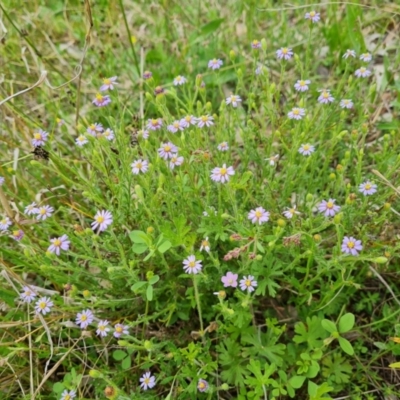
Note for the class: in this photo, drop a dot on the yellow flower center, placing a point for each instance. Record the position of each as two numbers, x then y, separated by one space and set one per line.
174 160
302 83
167 148
146 381
233 98
16 233
215 61
83 317
107 81
367 186
81 138
176 124
42 211
3 221
57 242
201 385
285 50
102 327
306 147
248 282
92 127
67 397
99 97
258 214
350 244
28 293
204 118
325 95
139 165
42 305
37 136
292 210
100 219
255 42
205 243
118 329
223 171
329 205
296 111
362 69
188 118
312 13
192 264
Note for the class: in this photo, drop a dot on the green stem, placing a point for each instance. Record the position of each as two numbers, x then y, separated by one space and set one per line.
196 294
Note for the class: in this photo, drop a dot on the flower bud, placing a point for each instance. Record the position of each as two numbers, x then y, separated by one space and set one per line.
150 230
264 44
240 73
148 96
339 167
332 176
281 222
338 218
149 275
258 257
199 80
317 238
109 392
95 374
232 55
148 345
208 106
347 154
272 88
225 216
380 260
225 386
86 293
309 197
387 206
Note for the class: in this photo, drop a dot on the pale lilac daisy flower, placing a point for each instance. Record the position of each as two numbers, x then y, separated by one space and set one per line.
81 140
205 245
27 294
147 381
223 146
302 85
43 305
215 64
290 212
60 122
325 97
230 279
5 223
108 83
297 113
139 166
101 101
346 103
167 150
284 53
362 73
44 212
175 161
94 129
366 57
349 53
259 215
351 246
205 120
328 208
234 100
202 385
154 124
259 70
18 235
108 134
222 174
147 75
84 319
57 244
120 330
102 220
313 16
39 138
1 180
256 44
306 149
68 394
180 80
273 159
31 209
248 283
102 328
368 188
191 265
144 133
175 127
188 120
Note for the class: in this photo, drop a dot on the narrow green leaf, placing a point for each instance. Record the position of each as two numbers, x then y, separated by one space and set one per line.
136 286
154 279
346 322
164 246
149 293
211 27
346 346
328 325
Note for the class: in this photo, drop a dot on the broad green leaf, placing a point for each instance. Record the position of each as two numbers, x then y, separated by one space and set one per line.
126 363
119 355
346 346
346 323
139 248
58 387
328 325
136 286
297 381
139 237
149 293
164 246
260 247
154 279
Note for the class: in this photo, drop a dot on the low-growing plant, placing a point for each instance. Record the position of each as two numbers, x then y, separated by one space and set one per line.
221 225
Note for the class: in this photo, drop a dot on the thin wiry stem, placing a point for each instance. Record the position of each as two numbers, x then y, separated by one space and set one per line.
130 38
